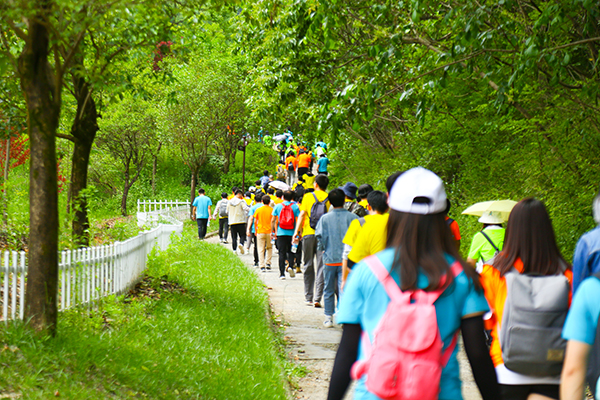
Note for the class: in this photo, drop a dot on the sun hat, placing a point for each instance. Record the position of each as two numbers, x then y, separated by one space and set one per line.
349 190
418 182
252 189
364 190
491 217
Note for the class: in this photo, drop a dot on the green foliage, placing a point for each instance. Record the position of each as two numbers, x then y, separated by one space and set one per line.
198 331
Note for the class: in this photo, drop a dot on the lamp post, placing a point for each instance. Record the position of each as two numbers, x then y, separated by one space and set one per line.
242 148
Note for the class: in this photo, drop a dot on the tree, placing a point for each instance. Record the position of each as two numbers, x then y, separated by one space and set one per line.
127 134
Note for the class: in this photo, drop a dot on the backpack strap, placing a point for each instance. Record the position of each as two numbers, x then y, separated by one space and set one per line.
361 221
384 277
490 240
315 196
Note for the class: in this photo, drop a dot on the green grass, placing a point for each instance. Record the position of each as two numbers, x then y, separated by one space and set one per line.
209 339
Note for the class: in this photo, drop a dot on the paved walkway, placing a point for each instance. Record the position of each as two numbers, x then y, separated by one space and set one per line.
310 343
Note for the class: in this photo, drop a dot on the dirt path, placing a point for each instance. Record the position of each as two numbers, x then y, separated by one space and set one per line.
311 344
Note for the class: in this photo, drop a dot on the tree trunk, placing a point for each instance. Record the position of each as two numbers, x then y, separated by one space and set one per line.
154 174
42 96
126 186
84 129
193 194
5 189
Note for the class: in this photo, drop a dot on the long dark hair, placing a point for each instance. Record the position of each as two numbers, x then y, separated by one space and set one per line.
530 237
420 241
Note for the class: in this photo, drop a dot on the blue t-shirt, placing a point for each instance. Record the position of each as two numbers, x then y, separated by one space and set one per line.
201 203
277 211
322 164
251 213
582 321
364 301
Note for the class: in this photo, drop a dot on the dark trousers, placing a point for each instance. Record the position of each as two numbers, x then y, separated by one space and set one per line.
237 230
302 171
202 223
298 255
223 228
284 245
252 240
322 173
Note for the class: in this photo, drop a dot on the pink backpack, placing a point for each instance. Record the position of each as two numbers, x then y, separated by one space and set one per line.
405 360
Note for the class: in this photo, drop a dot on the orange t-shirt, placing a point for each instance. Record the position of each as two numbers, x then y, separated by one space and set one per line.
454 228
291 159
494 287
262 216
303 160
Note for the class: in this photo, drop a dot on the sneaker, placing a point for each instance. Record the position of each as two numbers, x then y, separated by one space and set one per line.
255 265
263 269
291 272
328 323
298 270
225 241
308 303
317 304
282 277
241 249
269 267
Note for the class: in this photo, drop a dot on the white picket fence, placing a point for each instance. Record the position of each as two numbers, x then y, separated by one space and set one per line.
152 212
88 274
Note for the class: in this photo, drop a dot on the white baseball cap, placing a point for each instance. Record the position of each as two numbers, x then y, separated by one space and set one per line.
418 182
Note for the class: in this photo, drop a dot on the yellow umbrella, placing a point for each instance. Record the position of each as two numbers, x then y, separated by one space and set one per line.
504 207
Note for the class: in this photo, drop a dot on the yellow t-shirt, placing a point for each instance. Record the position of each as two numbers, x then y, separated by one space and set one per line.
309 181
277 200
364 203
307 202
353 230
371 238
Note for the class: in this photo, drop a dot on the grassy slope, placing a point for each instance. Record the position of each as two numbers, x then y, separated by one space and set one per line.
209 340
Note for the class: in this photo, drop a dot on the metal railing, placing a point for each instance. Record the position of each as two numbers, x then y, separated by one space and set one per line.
88 274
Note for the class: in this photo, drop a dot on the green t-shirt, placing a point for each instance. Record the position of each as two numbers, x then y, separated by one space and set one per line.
481 248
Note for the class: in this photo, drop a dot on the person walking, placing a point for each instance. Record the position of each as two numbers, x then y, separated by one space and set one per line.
421 259
303 163
329 233
262 219
586 259
322 164
283 224
221 210
529 249
251 228
489 241
313 273
237 209
291 165
201 208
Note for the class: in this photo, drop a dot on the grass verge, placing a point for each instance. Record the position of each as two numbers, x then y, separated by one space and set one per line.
198 330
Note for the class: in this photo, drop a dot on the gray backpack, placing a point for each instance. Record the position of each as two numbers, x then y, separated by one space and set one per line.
223 208
534 314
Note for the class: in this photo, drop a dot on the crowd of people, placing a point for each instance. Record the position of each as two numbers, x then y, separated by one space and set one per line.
387 267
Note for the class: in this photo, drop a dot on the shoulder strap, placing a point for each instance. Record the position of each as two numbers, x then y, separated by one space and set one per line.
361 221
315 196
490 240
383 275
449 221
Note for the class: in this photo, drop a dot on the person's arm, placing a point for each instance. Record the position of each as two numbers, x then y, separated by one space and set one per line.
471 262
217 207
572 380
299 224
346 356
249 225
580 269
479 357
209 209
274 224
193 213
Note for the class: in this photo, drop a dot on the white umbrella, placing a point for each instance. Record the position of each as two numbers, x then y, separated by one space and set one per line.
279 185
504 207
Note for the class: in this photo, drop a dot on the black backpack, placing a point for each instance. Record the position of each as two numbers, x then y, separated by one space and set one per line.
593 372
317 210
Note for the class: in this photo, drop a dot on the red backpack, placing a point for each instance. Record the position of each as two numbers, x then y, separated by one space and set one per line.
405 359
287 219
